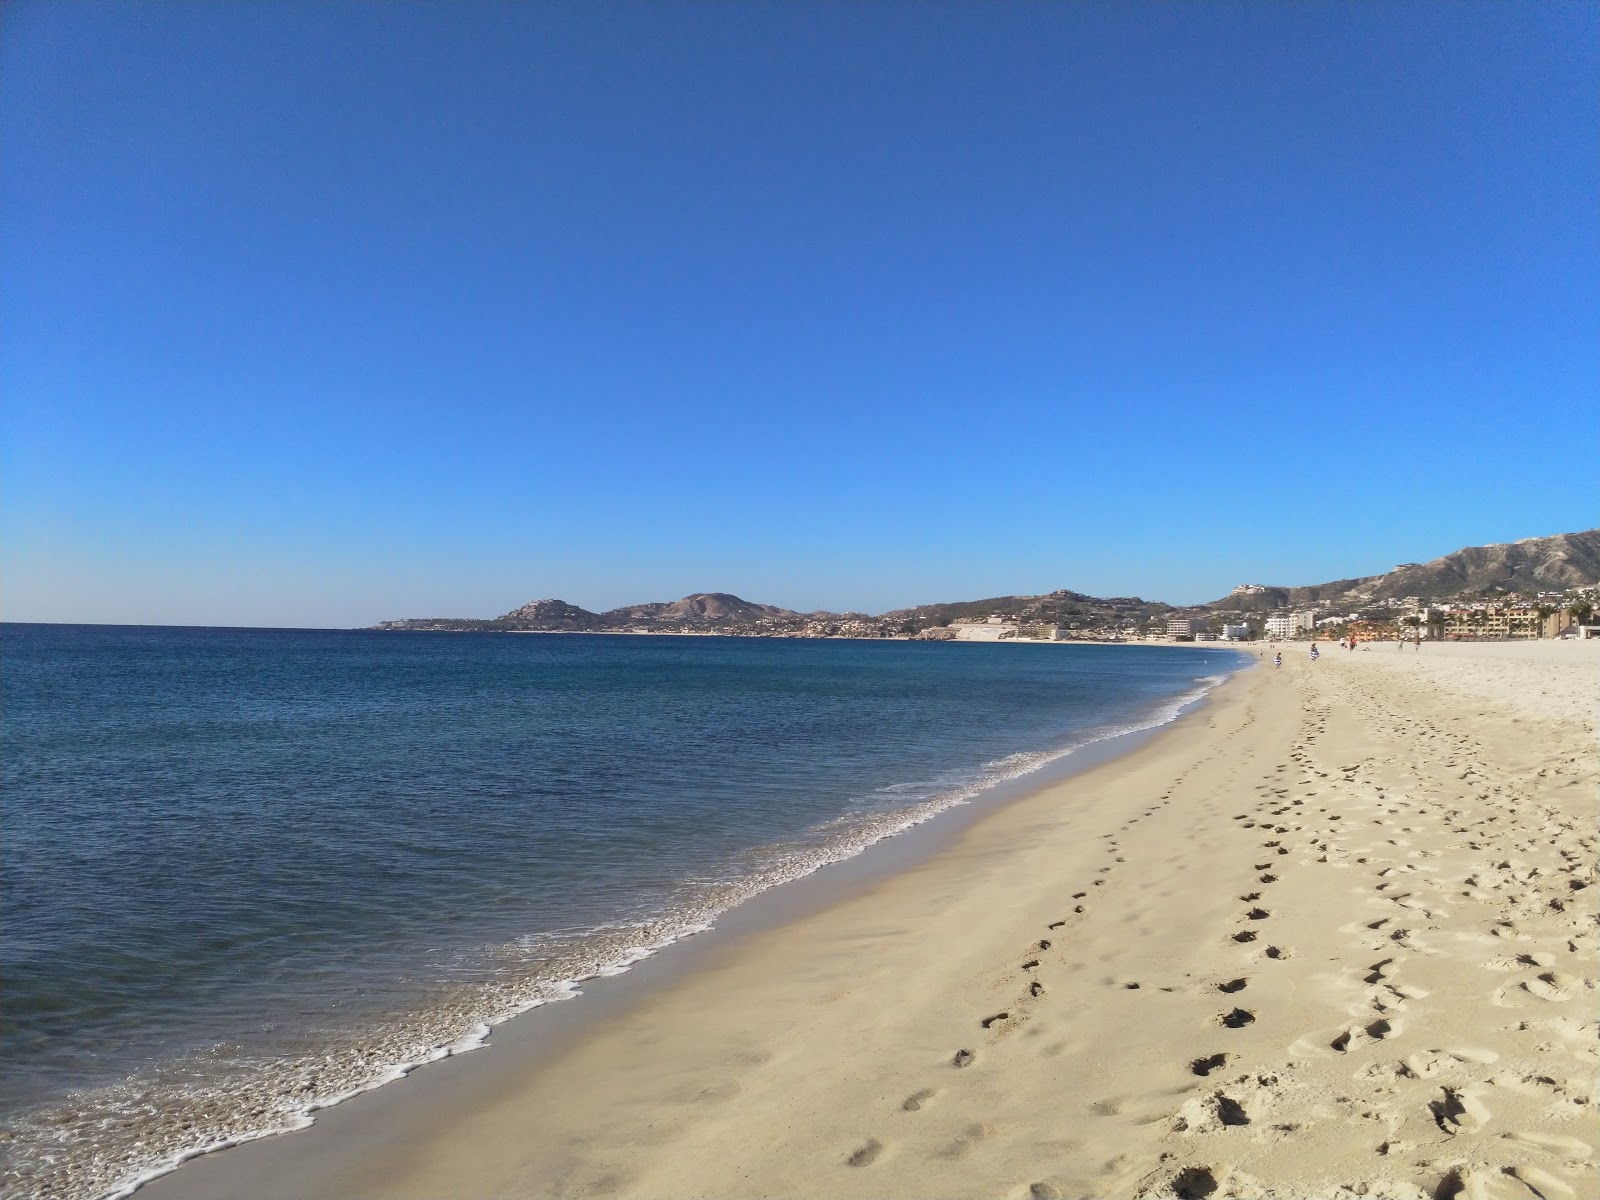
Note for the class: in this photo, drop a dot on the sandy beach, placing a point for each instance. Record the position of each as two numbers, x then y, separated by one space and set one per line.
1333 934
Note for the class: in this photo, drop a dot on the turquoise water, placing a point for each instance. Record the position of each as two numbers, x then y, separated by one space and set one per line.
252 872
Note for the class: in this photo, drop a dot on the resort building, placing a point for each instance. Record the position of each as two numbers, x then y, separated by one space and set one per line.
1236 633
1373 631
1182 629
1498 622
1291 624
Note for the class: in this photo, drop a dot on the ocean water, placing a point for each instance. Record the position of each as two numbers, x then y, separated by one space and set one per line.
249 873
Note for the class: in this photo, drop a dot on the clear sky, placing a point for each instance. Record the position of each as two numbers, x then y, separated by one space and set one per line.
324 313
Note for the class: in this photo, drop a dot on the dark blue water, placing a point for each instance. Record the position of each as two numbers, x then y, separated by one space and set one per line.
247 872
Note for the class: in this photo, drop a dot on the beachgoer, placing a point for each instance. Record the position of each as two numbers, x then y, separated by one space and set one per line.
1277 659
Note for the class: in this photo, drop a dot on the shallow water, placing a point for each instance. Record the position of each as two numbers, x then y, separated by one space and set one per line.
250 872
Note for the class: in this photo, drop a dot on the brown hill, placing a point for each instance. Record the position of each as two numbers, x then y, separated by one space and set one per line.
550 614
701 608
1544 564
1559 563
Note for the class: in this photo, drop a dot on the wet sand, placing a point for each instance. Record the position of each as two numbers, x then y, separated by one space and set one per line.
1332 935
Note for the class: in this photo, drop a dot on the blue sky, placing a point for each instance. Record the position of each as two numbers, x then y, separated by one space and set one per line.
319 314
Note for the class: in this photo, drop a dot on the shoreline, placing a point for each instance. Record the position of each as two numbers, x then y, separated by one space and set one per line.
922 835
907 1038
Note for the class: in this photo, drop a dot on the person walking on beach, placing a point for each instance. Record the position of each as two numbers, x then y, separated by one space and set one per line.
1277 659
1314 654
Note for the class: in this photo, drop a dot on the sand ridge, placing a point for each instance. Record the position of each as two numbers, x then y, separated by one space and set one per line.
1332 936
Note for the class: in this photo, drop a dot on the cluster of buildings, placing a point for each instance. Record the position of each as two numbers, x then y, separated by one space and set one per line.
1446 621
1492 622
1547 615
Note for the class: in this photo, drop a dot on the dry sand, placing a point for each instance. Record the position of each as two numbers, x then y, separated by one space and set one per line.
1333 935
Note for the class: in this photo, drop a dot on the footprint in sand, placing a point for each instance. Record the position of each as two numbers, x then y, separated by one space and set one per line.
1208 1114
1204 1066
1542 1183
1237 1019
1189 1183
915 1101
1551 987
1458 1110
1575 1151
866 1155
966 1142
963 1058
1357 1036
1376 973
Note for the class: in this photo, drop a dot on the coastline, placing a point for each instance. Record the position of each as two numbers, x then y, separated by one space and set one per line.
890 846
818 1055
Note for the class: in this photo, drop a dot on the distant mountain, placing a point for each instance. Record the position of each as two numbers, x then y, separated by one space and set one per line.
708 610
1056 608
701 608
1560 563
536 616
551 614
1545 564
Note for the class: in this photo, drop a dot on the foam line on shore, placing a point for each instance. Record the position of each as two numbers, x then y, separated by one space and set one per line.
791 862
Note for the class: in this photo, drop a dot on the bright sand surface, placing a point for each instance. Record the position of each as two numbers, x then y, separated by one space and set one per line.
1334 934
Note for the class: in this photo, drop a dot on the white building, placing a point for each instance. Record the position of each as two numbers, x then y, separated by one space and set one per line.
1235 633
1182 628
1288 624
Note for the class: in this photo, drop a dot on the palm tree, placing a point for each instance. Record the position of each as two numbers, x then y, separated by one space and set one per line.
1437 619
1545 612
1580 610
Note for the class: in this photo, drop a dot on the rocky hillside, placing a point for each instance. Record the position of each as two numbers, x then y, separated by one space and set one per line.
707 610
1546 564
701 608
1056 608
1559 563
551 614
538 615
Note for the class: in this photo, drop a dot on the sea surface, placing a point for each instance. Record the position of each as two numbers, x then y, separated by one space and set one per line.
250 873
